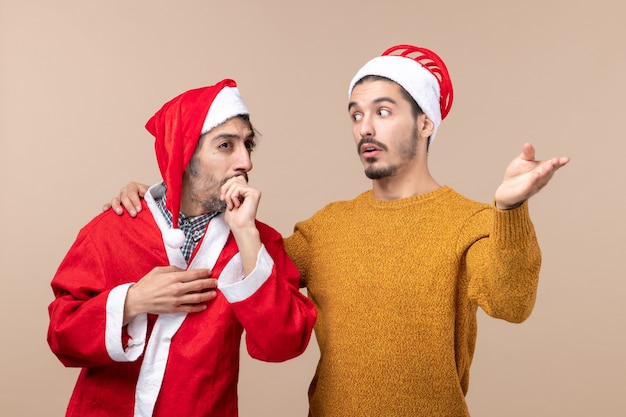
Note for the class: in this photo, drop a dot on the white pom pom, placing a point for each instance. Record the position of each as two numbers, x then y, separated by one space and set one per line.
174 238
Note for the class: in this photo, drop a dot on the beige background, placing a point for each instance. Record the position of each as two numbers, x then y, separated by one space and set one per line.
79 79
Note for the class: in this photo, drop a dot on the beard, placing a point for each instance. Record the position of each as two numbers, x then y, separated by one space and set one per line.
375 173
407 150
378 173
205 189
212 203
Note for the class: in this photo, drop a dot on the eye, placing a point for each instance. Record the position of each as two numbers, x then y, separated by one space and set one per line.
250 145
384 112
224 145
356 116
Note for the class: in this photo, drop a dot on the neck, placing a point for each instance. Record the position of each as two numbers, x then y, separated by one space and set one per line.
409 183
189 207
192 207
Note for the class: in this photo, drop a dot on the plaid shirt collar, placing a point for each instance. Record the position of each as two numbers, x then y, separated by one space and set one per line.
193 227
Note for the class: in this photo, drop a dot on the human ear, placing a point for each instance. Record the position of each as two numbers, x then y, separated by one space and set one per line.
426 126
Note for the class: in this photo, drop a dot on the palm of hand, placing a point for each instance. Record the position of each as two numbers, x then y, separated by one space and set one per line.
524 177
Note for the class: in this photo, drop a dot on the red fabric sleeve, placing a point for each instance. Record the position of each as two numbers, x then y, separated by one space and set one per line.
278 318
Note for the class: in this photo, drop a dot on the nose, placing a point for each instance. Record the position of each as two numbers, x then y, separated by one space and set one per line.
366 127
243 162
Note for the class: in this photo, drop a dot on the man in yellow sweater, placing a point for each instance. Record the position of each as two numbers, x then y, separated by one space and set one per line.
398 273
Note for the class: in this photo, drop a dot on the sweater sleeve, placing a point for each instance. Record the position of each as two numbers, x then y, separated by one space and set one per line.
503 263
277 317
297 247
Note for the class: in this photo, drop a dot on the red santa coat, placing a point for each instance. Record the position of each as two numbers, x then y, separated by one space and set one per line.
171 364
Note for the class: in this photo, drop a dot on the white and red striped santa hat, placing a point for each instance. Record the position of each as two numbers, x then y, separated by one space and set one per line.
421 72
177 128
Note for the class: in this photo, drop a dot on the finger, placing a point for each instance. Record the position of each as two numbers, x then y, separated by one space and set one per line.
235 196
135 200
230 191
193 275
224 193
131 196
117 206
561 161
556 163
166 269
528 152
106 207
211 284
142 189
199 285
132 202
228 198
125 202
197 297
191 308
543 175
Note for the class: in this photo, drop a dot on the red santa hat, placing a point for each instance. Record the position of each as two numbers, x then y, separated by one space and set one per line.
177 128
421 72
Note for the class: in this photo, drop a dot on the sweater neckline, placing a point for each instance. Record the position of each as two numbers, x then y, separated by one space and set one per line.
404 202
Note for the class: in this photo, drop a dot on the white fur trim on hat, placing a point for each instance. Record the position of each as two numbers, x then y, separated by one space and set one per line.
420 83
227 104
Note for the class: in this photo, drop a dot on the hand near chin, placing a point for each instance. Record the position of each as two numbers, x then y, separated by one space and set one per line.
242 202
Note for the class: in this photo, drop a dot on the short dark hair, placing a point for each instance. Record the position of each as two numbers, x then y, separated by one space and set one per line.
416 110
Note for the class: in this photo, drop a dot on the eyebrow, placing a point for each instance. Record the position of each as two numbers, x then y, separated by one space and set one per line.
376 101
231 136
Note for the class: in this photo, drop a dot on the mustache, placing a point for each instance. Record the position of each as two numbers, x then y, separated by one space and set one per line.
371 140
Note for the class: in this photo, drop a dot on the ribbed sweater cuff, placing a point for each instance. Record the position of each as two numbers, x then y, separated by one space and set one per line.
515 224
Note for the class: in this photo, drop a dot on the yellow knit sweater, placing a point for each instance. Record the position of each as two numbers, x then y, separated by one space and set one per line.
397 285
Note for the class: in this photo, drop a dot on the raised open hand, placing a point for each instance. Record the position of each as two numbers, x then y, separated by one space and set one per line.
524 177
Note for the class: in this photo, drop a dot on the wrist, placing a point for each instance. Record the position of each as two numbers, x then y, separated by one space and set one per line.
501 206
249 245
246 233
130 311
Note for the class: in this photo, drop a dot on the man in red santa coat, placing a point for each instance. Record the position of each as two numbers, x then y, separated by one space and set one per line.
153 309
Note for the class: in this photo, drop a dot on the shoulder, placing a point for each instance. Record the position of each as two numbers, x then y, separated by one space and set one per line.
342 206
459 203
108 224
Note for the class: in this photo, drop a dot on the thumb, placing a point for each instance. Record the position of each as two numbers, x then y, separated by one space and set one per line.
528 152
